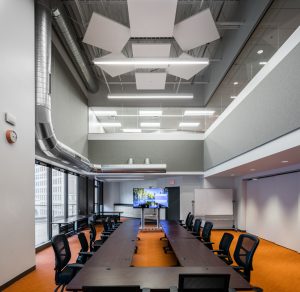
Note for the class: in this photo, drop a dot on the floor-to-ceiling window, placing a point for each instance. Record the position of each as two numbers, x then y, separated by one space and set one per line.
72 195
41 204
58 197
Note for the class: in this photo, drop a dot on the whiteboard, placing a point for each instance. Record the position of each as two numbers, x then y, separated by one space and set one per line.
213 202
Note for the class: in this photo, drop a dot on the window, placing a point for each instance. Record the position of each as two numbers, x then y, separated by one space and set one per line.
41 204
96 197
72 195
58 198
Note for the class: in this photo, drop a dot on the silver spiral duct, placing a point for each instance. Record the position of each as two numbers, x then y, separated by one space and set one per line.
45 135
69 40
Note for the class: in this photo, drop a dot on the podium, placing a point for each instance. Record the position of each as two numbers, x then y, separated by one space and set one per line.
143 225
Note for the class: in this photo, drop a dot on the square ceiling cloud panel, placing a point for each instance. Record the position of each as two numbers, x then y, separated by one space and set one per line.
152 18
115 70
150 81
151 50
185 71
106 34
196 31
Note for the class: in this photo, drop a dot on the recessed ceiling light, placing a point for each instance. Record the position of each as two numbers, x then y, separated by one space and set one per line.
284 161
150 96
132 130
233 97
152 61
111 125
252 169
235 83
198 113
260 52
183 124
262 63
150 113
150 125
105 113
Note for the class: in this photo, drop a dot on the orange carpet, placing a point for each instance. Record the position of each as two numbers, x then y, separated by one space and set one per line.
276 269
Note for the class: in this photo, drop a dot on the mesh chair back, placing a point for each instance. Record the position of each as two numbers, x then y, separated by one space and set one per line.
111 289
93 232
190 223
204 282
187 218
207 231
197 226
225 243
62 251
83 242
244 252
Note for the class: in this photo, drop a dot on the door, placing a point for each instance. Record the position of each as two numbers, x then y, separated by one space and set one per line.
173 211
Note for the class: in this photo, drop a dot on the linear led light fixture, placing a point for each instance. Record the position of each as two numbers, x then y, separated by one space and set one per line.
262 63
110 125
150 61
198 113
183 124
150 113
132 130
150 96
106 113
150 125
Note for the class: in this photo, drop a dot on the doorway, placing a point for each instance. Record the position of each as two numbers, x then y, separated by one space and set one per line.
173 211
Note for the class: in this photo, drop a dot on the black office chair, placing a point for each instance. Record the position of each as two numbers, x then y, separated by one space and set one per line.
189 225
84 253
197 227
132 288
205 235
224 248
64 272
186 219
202 282
94 244
243 254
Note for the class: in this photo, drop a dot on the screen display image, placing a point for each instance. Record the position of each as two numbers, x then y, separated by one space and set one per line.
150 197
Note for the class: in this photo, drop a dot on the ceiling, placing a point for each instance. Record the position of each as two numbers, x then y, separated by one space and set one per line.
235 62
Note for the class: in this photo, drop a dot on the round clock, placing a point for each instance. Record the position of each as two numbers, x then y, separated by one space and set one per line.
11 136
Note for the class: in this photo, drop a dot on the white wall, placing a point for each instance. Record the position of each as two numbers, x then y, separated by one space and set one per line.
187 185
272 209
17 252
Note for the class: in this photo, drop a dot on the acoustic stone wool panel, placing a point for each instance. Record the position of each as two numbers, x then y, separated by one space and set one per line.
106 34
152 18
196 31
185 71
150 81
151 50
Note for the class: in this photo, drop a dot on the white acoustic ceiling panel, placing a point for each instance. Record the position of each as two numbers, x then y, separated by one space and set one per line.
106 34
151 50
148 81
185 71
115 70
196 31
152 18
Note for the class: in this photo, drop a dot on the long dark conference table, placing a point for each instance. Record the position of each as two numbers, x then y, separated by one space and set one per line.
111 264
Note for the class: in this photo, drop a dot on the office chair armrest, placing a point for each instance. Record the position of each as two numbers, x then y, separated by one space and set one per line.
217 250
75 266
173 289
238 268
207 242
106 233
86 253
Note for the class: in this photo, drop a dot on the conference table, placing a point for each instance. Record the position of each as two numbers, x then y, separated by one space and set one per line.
111 264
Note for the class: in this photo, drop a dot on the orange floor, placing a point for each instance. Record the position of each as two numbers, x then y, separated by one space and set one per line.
276 269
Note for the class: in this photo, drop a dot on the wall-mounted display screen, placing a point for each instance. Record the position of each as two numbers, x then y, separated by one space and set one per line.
150 197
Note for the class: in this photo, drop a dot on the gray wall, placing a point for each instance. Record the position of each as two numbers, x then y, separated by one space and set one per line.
69 107
271 110
179 155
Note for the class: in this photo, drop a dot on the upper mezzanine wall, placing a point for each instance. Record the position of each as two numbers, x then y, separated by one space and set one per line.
267 108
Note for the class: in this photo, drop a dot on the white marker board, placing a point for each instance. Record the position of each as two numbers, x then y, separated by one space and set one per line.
213 202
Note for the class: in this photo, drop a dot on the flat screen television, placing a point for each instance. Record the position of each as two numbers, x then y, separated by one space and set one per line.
150 197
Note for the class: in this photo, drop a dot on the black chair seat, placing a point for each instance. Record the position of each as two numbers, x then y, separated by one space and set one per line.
67 274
